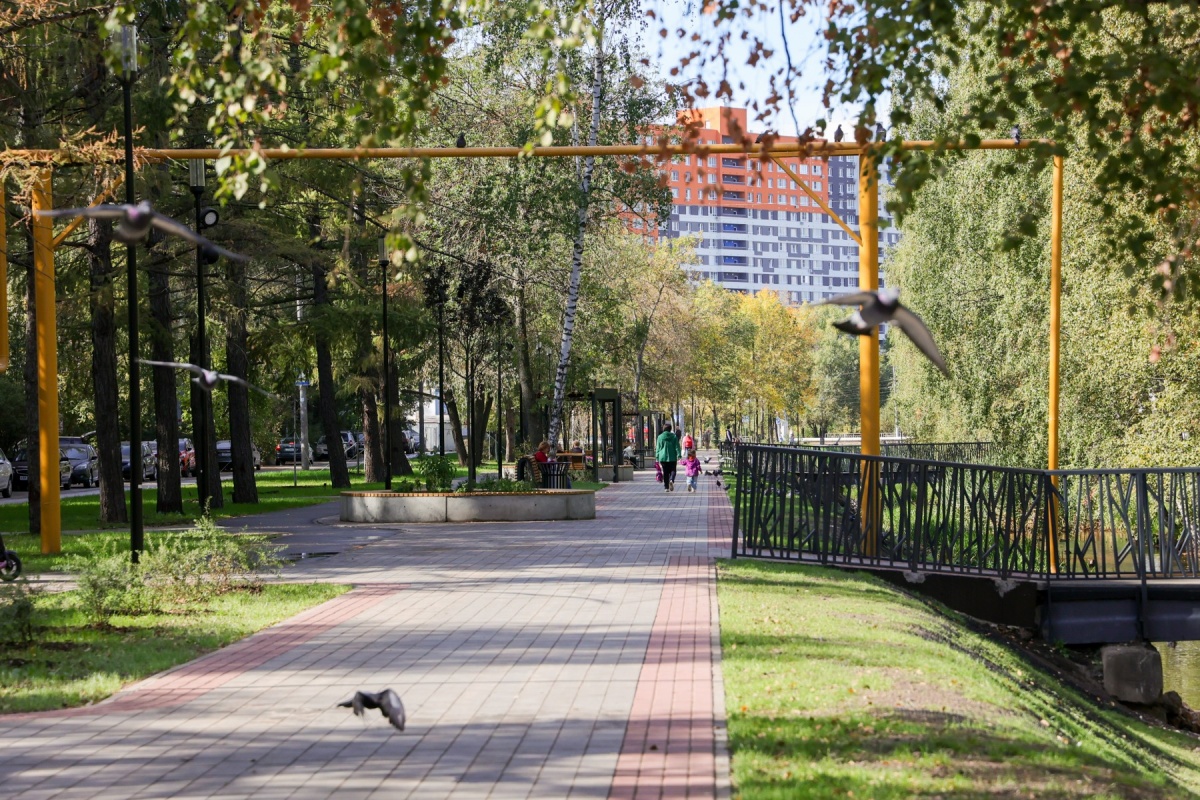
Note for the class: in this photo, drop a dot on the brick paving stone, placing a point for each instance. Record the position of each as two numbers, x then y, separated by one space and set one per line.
535 660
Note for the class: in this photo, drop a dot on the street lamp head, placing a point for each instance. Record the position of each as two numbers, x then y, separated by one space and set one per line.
385 255
196 173
209 217
127 43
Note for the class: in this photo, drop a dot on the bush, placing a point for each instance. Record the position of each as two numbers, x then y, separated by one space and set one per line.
174 570
500 485
16 612
436 471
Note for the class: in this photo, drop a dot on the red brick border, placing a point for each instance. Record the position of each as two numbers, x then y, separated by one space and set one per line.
195 678
670 742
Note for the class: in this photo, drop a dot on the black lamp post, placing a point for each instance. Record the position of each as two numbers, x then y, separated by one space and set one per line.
385 259
205 218
128 48
441 366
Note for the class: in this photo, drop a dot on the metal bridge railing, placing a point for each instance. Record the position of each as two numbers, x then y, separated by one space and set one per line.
942 516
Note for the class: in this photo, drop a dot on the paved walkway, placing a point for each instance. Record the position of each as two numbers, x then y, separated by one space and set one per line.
535 660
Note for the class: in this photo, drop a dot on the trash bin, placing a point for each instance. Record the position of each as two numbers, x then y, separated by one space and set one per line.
554 476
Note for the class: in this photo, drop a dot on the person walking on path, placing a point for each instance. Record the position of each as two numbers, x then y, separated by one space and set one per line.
691 468
666 451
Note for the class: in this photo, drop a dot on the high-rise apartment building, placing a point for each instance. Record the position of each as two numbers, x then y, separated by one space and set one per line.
755 227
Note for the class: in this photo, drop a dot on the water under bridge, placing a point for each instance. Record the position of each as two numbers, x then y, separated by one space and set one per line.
1087 556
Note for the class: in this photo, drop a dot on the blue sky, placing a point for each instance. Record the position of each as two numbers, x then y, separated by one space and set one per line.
803 39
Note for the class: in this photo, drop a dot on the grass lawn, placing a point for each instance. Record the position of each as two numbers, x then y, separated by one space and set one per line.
73 663
839 686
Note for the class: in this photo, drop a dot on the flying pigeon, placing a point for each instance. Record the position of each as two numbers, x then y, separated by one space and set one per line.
1016 134
461 141
207 379
884 306
387 701
134 224
838 134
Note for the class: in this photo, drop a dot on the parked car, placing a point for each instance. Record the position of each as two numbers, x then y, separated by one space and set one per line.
225 455
350 446
187 458
7 476
149 463
288 451
20 469
85 464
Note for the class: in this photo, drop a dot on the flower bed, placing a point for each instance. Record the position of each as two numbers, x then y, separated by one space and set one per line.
543 504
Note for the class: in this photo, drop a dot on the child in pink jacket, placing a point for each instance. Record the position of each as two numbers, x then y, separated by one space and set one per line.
691 468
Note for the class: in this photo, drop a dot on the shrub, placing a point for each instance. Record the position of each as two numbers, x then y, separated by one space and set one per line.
180 570
500 485
16 612
109 584
436 471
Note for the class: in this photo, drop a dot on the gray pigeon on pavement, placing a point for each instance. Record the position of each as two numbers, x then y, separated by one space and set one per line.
884 306
387 701
134 224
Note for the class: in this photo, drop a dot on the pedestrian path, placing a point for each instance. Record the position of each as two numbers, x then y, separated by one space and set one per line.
568 659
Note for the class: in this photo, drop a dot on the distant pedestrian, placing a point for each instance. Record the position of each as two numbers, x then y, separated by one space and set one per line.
691 468
666 451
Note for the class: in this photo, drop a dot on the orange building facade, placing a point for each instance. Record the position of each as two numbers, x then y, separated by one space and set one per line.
755 228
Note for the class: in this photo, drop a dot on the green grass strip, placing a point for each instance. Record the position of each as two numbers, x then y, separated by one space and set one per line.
73 663
839 686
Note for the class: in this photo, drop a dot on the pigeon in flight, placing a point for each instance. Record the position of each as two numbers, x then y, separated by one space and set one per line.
387 701
838 134
207 379
884 306
1016 134
461 141
134 224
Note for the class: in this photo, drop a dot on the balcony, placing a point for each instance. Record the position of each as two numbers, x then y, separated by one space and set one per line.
737 197
738 179
733 276
734 244
732 212
737 261
733 227
733 163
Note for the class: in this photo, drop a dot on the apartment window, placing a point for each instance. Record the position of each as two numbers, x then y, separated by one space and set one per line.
816 169
687 194
712 178
770 198
637 223
817 185
674 174
712 161
804 169
675 193
687 177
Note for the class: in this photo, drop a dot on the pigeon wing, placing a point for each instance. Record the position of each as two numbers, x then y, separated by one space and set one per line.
103 211
171 365
246 383
392 707
852 299
175 228
915 328
852 327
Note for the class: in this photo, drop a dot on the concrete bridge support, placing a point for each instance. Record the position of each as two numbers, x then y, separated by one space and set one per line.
1133 673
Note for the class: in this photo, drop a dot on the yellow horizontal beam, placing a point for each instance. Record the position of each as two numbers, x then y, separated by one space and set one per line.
75 223
810 149
816 199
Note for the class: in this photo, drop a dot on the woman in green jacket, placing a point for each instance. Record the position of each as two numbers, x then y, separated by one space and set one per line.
666 452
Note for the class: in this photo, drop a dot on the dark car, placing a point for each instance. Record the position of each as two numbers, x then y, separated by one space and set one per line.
85 464
149 462
225 455
20 469
8 476
288 451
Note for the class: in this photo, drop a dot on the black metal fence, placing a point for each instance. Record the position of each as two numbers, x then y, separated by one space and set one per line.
930 515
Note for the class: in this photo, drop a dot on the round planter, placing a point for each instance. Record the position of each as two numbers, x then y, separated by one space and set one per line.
543 505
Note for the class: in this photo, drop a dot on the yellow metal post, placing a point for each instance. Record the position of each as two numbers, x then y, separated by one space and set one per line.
1056 204
3 280
47 364
868 347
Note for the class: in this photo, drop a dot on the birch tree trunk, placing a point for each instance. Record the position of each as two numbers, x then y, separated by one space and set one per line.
585 189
